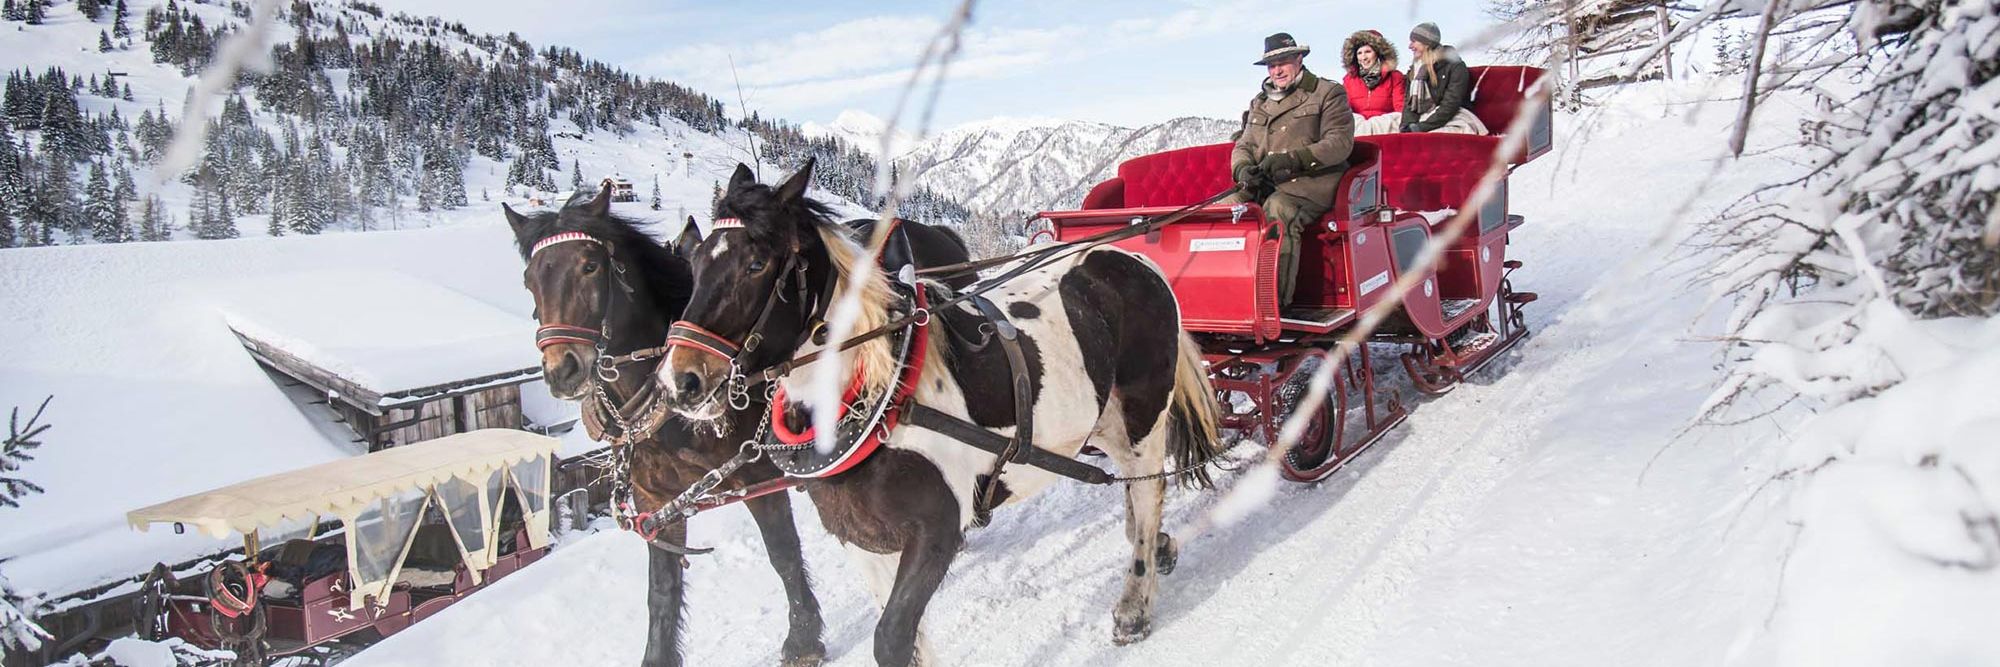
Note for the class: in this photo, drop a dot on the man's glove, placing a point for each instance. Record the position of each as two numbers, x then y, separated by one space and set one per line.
1252 179
1281 166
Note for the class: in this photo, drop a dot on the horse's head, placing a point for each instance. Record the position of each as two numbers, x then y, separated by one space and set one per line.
765 277
601 286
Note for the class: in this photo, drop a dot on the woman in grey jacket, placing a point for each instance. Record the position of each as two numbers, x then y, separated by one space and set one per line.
1439 87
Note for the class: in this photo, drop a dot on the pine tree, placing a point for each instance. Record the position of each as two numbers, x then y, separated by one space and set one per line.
62 125
103 42
151 226
656 192
716 201
98 211
13 189
58 202
12 12
37 11
91 9
122 194
21 438
118 27
127 94
576 175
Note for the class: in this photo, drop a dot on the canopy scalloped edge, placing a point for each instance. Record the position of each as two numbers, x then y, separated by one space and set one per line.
342 488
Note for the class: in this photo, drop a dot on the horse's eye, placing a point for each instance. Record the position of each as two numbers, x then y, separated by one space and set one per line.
589 268
756 265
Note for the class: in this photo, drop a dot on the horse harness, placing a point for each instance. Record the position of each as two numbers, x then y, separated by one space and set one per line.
861 428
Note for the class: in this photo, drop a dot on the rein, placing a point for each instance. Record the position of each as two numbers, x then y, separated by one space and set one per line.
1036 259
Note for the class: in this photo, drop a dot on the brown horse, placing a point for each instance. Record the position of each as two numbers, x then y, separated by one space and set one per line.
1105 361
604 288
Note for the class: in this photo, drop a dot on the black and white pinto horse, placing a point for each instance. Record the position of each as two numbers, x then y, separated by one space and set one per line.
1108 365
603 288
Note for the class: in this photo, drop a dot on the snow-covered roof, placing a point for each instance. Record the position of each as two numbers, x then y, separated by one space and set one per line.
384 331
156 397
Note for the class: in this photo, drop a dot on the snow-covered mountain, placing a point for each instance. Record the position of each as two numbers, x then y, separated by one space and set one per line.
1008 165
1004 166
862 130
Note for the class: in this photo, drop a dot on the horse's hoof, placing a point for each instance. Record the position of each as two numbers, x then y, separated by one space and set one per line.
1128 632
811 656
1167 555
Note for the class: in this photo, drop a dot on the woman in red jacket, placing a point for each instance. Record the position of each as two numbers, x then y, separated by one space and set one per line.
1374 88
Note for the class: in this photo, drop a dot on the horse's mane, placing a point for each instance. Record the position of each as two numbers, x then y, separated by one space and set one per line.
668 277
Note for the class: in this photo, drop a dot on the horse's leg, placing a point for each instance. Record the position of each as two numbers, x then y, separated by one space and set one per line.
781 543
878 572
1132 619
665 598
919 572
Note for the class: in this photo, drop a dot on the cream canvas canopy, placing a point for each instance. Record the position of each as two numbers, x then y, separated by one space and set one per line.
342 488
381 497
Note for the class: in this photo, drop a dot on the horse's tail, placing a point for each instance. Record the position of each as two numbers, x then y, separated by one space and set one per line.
1192 436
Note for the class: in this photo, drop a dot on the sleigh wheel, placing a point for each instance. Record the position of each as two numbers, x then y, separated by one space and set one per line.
1318 452
1426 373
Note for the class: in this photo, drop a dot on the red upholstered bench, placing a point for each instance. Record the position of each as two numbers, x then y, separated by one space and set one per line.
1428 172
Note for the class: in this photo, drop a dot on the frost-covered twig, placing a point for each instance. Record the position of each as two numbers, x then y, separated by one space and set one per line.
245 50
827 379
21 438
1245 496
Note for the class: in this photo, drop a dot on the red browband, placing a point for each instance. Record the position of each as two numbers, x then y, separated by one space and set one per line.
561 238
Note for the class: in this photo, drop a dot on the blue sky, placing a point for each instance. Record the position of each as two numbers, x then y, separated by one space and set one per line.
1120 62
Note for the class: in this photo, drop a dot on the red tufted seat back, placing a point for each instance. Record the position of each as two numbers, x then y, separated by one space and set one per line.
1497 91
1177 177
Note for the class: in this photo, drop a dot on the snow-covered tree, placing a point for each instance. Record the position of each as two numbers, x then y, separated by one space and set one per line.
91 9
656 192
17 629
104 42
153 224
118 27
576 174
36 11
63 130
12 11
22 438
100 210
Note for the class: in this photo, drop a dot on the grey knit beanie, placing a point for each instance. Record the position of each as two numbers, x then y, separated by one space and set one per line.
1428 34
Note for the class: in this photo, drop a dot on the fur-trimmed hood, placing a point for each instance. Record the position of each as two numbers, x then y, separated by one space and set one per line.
1383 50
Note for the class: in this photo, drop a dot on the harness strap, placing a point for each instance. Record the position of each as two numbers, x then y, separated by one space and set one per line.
924 416
1024 409
1036 259
557 334
687 334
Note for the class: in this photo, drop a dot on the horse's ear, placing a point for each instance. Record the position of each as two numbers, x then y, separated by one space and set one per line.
514 220
690 239
518 222
795 187
741 178
601 206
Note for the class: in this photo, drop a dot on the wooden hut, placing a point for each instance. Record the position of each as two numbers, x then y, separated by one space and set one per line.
422 362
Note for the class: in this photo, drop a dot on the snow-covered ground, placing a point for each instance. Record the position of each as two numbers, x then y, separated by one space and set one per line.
1554 510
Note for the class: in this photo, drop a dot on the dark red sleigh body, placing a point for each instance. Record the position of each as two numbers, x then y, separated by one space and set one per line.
1392 198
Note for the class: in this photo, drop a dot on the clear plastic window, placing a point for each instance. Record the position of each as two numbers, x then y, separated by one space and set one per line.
465 509
378 537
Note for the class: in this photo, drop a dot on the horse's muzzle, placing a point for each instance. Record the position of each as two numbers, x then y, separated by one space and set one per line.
565 371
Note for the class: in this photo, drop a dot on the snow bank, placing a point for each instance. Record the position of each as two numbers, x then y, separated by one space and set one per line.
1898 552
